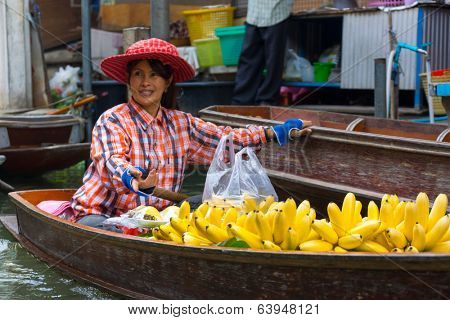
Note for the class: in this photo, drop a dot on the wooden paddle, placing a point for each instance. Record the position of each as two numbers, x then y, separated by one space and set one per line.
169 195
75 105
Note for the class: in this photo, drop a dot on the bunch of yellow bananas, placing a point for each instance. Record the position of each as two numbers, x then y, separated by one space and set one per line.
396 226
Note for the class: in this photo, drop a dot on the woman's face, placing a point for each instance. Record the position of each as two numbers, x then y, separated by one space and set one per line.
147 87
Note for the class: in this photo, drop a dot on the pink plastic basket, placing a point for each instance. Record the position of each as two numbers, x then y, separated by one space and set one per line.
386 3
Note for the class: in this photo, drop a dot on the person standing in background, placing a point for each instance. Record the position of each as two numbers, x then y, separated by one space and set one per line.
264 46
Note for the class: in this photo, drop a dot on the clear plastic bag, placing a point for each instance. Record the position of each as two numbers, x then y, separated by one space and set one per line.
232 176
297 68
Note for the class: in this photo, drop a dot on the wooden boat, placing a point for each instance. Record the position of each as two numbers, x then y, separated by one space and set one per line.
39 143
140 268
43 139
346 153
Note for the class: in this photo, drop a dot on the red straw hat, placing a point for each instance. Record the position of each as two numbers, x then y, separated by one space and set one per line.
116 66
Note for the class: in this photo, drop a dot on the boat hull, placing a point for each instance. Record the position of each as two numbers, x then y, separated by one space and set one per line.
37 160
141 268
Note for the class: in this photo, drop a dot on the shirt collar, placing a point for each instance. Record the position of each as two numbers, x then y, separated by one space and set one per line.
142 116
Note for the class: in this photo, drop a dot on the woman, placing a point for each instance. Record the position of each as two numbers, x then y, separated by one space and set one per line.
146 142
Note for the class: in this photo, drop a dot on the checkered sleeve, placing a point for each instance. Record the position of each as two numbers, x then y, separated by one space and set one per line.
110 144
205 136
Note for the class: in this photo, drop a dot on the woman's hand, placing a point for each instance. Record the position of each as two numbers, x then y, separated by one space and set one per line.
143 183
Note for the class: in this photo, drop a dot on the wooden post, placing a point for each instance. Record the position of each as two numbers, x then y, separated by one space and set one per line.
380 88
131 35
160 19
15 58
394 88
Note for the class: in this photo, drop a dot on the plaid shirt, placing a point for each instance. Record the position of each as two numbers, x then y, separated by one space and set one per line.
266 13
127 136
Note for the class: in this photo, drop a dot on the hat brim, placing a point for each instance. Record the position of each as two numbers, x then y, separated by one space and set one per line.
115 67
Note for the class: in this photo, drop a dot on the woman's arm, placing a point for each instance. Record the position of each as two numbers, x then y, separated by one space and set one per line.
109 149
205 136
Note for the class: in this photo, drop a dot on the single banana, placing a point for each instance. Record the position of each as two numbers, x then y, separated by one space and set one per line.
175 237
167 228
263 207
423 209
253 240
316 245
372 211
357 218
371 246
279 227
399 213
211 231
265 204
303 209
312 214
158 235
269 245
185 210
383 240
410 219
338 249
419 237
441 247
249 203
397 250
240 221
230 216
263 227
351 241
290 208
336 218
250 223
179 224
397 238
348 210
411 249
438 211
325 231
216 234
214 215
446 236
291 240
366 229
203 208
387 214
385 198
393 200
313 235
437 232
303 227
269 217
194 240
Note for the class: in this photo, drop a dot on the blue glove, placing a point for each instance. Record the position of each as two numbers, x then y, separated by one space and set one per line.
282 131
127 178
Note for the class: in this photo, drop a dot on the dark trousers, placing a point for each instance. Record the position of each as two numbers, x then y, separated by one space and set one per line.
263 47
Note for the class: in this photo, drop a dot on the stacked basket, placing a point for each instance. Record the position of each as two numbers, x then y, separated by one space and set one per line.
201 25
437 76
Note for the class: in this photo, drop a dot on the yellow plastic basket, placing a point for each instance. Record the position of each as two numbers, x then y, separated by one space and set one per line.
437 101
202 22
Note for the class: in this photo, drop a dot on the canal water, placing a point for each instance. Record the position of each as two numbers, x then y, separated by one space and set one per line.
22 276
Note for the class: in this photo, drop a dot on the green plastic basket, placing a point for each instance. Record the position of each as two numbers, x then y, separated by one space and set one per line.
322 71
208 52
231 40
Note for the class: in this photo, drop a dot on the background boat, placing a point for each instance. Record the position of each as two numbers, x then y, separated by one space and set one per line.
346 153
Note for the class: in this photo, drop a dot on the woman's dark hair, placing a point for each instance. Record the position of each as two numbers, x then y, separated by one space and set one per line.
169 98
